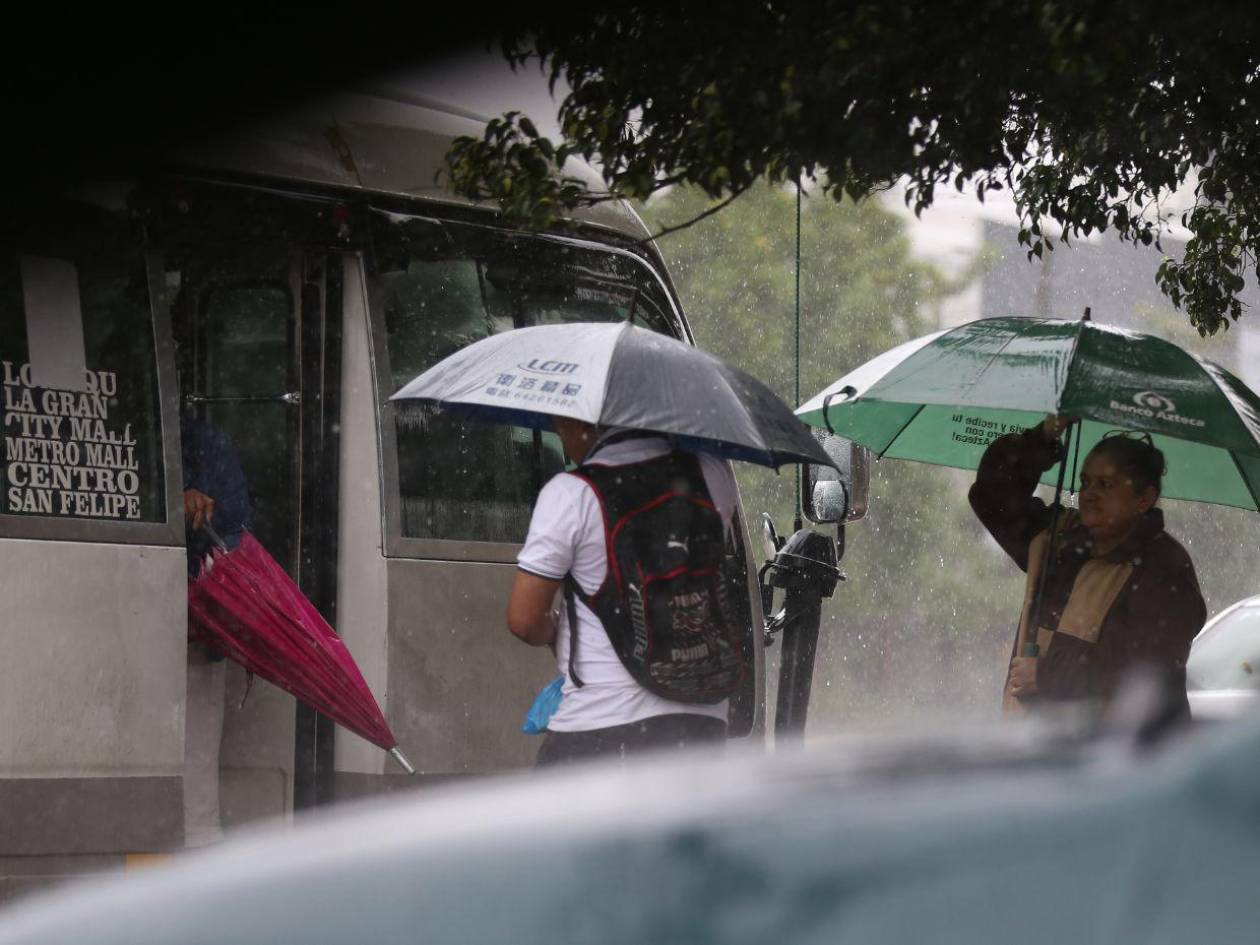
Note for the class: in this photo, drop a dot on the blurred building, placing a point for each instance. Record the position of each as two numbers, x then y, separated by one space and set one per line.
1115 279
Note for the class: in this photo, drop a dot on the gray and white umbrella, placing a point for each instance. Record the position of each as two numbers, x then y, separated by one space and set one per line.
617 375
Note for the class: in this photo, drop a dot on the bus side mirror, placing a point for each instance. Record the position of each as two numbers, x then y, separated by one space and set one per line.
831 497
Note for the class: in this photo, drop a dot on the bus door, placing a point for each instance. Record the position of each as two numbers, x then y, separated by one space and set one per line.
258 354
458 496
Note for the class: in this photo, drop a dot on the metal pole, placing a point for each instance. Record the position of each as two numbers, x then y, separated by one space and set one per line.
796 667
798 521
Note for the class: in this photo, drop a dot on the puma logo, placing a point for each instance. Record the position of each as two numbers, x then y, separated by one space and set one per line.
678 544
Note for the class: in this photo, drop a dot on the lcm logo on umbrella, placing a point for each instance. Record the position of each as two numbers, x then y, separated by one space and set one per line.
537 366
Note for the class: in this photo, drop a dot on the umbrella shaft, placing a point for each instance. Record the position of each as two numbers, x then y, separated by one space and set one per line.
1034 613
214 537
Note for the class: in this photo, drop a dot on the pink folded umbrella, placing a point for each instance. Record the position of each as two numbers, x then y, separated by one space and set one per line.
244 604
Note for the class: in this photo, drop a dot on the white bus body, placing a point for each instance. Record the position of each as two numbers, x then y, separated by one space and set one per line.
308 267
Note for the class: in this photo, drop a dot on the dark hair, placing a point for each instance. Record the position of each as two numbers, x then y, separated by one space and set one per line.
1136 455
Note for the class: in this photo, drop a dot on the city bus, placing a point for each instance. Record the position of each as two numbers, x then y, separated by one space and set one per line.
279 283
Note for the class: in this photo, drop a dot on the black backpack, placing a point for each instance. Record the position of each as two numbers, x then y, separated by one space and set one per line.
665 603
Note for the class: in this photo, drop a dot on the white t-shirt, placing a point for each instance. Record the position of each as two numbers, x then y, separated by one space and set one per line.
566 534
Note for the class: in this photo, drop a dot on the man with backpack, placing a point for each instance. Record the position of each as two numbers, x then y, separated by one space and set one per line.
634 542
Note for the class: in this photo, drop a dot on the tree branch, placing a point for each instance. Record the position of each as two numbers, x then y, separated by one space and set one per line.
694 220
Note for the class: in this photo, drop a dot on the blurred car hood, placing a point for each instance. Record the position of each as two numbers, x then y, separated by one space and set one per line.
1010 833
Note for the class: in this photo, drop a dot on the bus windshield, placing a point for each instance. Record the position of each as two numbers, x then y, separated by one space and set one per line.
439 286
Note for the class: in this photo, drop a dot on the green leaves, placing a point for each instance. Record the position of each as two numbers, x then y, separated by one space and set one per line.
1209 278
521 171
1091 113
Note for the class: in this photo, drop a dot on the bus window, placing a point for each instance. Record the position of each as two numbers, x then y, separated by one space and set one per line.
551 283
458 480
82 419
234 320
438 286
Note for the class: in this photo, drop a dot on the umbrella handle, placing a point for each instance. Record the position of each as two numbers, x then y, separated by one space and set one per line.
214 536
402 760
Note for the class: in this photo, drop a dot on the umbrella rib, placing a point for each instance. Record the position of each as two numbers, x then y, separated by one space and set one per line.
1210 368
1071 361
1243 476
612 356
748 414
980 373
925 367
918 410
910 373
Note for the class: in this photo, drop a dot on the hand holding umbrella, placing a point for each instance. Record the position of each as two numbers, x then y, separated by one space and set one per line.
1022 678
1053 427
246 606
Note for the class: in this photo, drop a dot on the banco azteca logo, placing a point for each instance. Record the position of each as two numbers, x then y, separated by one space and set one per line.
1153 400
1153 405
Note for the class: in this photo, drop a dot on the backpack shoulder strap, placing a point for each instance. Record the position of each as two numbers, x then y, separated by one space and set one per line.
571 590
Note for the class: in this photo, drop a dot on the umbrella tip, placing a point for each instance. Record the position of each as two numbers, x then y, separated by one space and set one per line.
1085 317
402 760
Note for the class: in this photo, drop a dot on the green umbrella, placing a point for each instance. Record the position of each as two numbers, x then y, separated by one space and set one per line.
944 397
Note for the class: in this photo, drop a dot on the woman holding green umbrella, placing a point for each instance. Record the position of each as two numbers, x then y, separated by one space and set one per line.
1119 591
946 397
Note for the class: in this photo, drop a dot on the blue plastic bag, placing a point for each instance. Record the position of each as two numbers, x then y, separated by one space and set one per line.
544 707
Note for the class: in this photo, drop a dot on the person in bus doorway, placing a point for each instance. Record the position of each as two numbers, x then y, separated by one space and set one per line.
216 492
607 709
1120 593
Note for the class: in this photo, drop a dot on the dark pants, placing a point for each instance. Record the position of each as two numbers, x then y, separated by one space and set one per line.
659 732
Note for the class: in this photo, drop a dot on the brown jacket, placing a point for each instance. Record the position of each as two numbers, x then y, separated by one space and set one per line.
1140 604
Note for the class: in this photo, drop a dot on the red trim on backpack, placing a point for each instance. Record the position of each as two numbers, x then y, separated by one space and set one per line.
611 531
614 570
